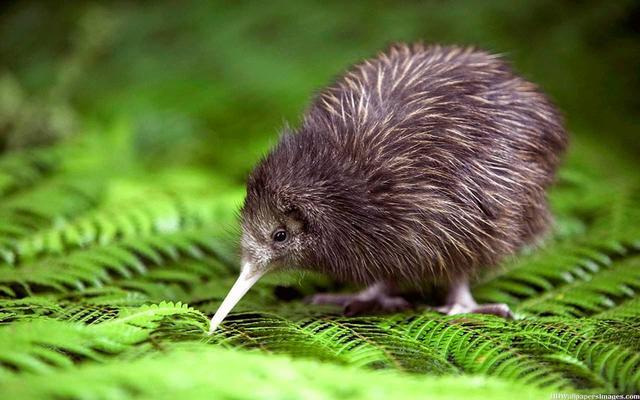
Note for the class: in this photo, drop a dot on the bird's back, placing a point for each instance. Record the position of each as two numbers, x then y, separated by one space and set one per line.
451 143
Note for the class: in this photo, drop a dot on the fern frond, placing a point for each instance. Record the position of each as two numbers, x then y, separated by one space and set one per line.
352 342
615 366
97 266
23 169
153 213
479 345
50 204
43 345
203 372
586 297
29 308
552 268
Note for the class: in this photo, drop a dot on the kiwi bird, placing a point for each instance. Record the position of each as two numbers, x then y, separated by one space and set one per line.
421 165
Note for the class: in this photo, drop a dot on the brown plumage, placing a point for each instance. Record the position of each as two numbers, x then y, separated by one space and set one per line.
423 164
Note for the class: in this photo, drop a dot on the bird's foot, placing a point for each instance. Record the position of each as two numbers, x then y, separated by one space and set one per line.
499 309
373 300
460 301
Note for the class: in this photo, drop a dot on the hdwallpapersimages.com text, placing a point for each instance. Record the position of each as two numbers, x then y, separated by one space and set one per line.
594 396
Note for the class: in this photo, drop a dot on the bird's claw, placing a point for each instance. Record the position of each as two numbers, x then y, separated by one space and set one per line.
499 309
358 303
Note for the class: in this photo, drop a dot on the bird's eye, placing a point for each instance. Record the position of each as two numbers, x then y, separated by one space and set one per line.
280 235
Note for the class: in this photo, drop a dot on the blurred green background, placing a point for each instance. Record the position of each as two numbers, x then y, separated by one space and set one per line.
211 83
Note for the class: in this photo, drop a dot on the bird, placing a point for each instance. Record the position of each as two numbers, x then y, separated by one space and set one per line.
424 164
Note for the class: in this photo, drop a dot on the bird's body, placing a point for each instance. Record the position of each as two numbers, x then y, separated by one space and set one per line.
422 164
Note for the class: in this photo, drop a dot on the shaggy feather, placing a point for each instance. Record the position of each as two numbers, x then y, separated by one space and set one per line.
423 163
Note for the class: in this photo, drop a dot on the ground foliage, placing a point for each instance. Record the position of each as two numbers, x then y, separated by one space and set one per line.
116 246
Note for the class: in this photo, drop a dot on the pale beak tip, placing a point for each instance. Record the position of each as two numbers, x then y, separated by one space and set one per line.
212 328
244 282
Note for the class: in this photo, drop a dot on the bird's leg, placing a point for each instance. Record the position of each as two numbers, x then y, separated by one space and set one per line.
377 298
460 301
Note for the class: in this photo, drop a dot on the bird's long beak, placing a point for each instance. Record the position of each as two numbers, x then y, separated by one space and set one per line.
248 276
